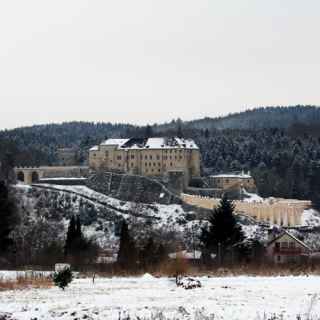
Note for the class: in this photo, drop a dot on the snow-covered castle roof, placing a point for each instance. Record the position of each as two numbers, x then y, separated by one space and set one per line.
150 143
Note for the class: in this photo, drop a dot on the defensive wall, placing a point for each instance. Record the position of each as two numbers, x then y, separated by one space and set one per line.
283 212
135 188
31 175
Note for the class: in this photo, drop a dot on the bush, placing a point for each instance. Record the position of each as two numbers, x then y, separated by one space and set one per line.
63 278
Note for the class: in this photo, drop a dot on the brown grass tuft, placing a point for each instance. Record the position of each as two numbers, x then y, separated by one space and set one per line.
26 282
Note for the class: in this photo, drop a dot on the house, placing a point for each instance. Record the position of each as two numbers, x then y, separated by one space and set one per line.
233 181
153 157
286 248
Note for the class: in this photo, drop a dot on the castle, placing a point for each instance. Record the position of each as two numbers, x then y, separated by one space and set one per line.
153 157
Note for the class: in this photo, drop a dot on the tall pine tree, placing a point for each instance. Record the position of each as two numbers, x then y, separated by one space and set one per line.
224 231
71 236
8 217
127 255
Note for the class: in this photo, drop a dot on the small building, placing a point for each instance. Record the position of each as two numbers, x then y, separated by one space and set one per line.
185 255
67 156
233 181
286 248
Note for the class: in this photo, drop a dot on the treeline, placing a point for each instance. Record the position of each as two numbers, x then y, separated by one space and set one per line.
37 145
280 146
283 164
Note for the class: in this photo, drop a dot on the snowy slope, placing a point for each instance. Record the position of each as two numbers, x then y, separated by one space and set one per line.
102 215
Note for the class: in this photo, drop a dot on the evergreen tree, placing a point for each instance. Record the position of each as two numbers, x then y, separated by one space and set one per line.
148 132
179 128
78 231
71 236
148 255
224 231
161 253
77 247
8 217
127 255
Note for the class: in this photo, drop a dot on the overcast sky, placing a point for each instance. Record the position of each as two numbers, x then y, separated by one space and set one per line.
146 61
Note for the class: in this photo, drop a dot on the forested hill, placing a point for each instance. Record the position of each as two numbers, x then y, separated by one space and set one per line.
37 145
281 146
260 118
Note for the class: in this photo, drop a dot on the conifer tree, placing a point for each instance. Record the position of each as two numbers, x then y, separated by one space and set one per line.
224 231
127 255
8 217
78 231
71 235
77 247
148 255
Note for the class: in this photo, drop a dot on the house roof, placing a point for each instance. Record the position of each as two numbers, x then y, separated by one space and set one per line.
152 143
114 142
95 148
291 236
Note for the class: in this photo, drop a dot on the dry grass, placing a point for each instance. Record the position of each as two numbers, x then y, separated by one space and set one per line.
26 282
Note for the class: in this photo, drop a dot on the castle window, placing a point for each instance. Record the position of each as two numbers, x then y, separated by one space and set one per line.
159 170
150 164
152 170
119 157
146 157
154 164
158 157
132 156
146 164
146 170
119 165
170 164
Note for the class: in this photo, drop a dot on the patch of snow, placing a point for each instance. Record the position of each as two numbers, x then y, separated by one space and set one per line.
64 178
148 276
311 218
252 197
186 255
229 298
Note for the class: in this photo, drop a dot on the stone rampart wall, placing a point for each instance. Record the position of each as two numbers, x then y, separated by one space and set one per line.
281 212
132 188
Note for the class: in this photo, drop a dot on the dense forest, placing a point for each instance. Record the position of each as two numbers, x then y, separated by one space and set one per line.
280 146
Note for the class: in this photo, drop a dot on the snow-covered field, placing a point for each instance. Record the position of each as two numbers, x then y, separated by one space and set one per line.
241 298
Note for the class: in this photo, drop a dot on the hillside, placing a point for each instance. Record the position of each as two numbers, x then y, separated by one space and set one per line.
46 210
280 146
260 118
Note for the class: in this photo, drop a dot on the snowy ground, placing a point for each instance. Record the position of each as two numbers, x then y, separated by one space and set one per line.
241 298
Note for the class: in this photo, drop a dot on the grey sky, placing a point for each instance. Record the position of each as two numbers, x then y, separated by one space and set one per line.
150 61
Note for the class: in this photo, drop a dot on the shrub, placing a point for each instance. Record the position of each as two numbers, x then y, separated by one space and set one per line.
63 278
